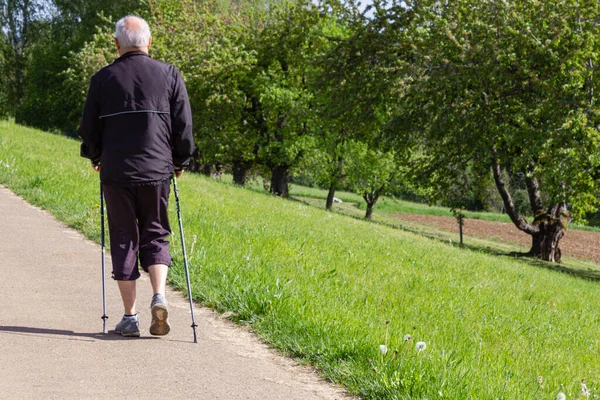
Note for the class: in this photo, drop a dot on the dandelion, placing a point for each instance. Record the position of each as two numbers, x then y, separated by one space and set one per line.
421 346
584 389
247 258
561 396
193 243
383 349
407 338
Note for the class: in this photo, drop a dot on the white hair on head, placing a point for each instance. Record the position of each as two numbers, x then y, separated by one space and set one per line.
130 37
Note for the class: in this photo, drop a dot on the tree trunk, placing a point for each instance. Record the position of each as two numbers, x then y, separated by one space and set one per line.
535 197
547 228
240 172
337 177
552 226
218 170
329 202
369 214
371 198
280 180
206 169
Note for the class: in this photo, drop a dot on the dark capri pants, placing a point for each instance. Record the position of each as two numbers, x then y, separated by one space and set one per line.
138 222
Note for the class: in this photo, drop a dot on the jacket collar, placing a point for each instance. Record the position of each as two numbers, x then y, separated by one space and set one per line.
134 53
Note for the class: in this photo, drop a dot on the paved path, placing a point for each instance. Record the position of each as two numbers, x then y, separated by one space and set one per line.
51 346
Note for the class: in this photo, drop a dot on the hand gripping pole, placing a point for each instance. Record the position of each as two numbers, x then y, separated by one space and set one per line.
185 261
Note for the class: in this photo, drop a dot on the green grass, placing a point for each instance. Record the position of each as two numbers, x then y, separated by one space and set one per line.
329 289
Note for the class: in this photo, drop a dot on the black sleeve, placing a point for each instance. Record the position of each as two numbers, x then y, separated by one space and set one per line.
181 123
90 127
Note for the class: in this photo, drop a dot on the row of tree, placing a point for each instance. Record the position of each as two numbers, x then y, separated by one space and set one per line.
431 98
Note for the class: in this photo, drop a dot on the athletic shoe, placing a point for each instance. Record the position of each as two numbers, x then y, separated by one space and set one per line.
129 326
160 316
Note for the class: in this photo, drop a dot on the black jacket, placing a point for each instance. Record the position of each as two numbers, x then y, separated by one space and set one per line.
137 121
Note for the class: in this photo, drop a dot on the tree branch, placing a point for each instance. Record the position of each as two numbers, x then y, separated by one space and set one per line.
511 210
535 197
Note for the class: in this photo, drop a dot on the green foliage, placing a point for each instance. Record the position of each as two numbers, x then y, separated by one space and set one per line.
352 105
94 55
281 100
223 129
516 77
257 109
20 26
368 172
4 98
323 162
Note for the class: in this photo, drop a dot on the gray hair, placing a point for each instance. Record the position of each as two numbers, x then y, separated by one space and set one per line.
132 36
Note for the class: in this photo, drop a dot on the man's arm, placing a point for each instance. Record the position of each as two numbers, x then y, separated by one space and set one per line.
90 127
181 125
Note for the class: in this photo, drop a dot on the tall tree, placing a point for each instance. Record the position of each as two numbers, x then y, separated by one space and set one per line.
352 95
369 172
335 104
279 105
224 132
510 86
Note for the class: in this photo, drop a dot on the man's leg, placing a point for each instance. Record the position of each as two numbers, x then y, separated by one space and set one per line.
153 221
124 242
130 323
128 295
158 277
159 306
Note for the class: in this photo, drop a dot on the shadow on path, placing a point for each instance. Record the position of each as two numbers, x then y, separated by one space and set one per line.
70 335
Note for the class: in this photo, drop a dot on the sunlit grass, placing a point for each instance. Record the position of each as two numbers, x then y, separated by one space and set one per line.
330 289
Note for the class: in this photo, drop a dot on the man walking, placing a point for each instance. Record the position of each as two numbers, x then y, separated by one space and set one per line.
137 131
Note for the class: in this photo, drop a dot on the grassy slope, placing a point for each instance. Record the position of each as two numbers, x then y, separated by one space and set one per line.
321 287
387 207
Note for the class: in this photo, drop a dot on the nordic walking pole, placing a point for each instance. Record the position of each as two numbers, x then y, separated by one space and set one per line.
104 316
185 261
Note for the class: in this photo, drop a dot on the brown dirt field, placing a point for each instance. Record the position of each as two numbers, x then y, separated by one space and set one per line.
579 244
